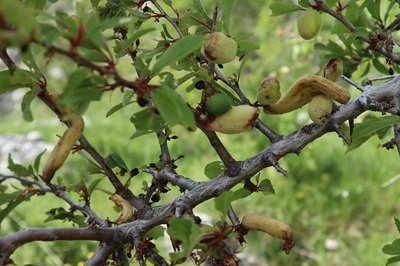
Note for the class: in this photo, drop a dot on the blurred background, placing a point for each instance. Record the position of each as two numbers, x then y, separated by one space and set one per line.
336 202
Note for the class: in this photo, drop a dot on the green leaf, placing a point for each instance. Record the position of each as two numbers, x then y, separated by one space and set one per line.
213 169
374 8
8 197
177 51
9 81
393 248
185 230
397 223
36 163
155 232
114 109
93 185
362 132
127 97
18 169
11 206
278 9
37 4
26 103
392 260
123 47
379 66
114 159
172 107
240 194
222 203
266 187
95 3
226 8
61 214
147 121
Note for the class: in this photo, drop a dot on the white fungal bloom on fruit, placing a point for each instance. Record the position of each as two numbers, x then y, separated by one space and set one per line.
236 120
220 49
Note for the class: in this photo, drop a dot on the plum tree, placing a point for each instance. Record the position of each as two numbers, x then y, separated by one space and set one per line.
174 79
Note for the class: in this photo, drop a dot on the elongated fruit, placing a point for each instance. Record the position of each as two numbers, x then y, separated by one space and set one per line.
270 226
269 91
303 90
320 108
236 120
218 104
63 146
308 24
220 49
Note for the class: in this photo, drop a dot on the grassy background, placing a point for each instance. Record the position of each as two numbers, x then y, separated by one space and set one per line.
328 196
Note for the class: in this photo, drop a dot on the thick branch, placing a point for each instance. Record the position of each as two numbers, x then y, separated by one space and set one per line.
8 244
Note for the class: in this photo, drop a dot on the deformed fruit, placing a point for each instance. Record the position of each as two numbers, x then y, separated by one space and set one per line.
269 91
308 24
319 109
236 120
267 225
218 104
303 90
220 49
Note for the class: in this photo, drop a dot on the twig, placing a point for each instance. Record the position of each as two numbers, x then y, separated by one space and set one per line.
60 193
167 17
353 83
231 165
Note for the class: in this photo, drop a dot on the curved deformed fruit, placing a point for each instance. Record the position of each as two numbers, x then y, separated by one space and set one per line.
333 70
319 109
63 146
308 24
269 91
303 90
270 226
236 120
218 104
127 209
220 49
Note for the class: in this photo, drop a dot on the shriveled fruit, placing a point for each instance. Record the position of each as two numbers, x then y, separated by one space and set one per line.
269 91
319 109
308 24
236 120
220 49
127 209
64 146
303 90
333 70
218 104
270 226
267 225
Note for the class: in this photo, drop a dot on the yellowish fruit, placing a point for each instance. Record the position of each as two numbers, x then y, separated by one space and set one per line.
319 109
269 91
333 70
267 225
308 24
220 49
236 120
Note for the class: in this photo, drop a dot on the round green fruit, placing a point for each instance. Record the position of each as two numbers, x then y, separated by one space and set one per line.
308 24
220 49
218 104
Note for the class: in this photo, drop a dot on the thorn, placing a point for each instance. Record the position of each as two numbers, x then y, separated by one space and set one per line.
276 165
341 134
